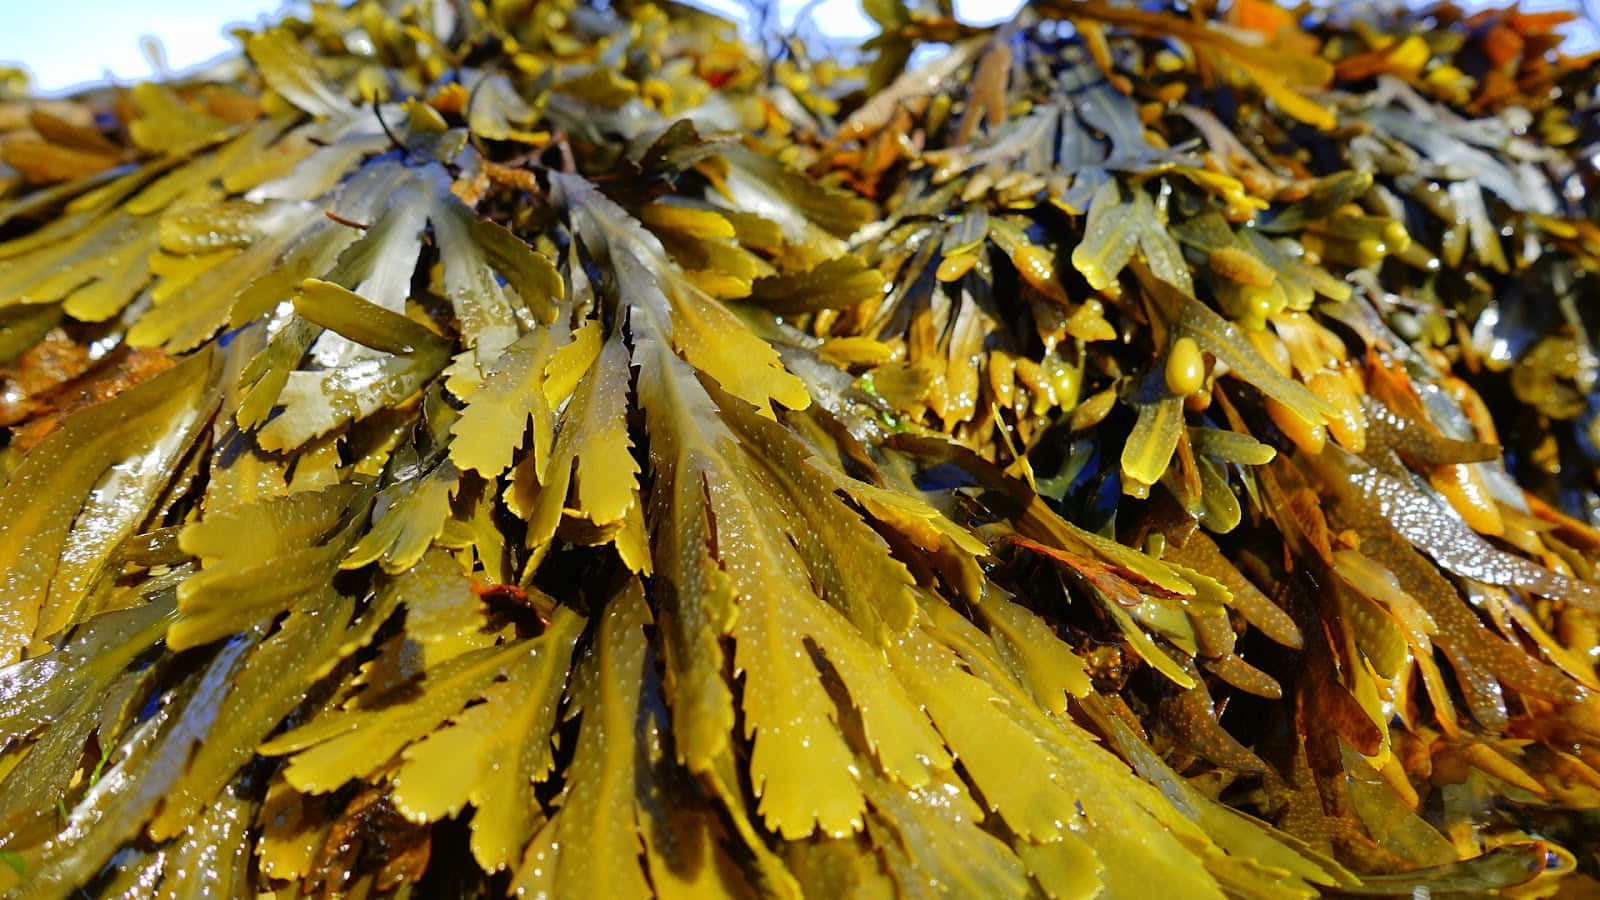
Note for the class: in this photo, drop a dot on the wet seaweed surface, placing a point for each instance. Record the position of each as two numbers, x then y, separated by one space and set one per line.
1137 451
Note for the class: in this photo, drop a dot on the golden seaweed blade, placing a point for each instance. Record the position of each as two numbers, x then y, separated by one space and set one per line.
524 447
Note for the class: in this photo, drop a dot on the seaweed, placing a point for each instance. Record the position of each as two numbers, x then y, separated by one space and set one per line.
575 450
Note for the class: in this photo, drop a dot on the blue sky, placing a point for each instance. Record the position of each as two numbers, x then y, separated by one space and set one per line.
70 42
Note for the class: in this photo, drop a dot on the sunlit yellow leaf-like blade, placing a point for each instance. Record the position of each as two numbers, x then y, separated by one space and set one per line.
801 766
508 743
850 565
127 270
294 546
1231 446
836 284
272 681
292 72
346 744
1067 868
406 518
591 846
1146 647
1109 238
315 403
1078 540
1152 442
165 123
529 273
697 597
1288 99
925 527
109 461
511 400
353 316
1008 765
933 835
592 451
1044 662
706 332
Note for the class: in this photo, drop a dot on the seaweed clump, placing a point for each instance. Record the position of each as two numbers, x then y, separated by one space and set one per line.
476 448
